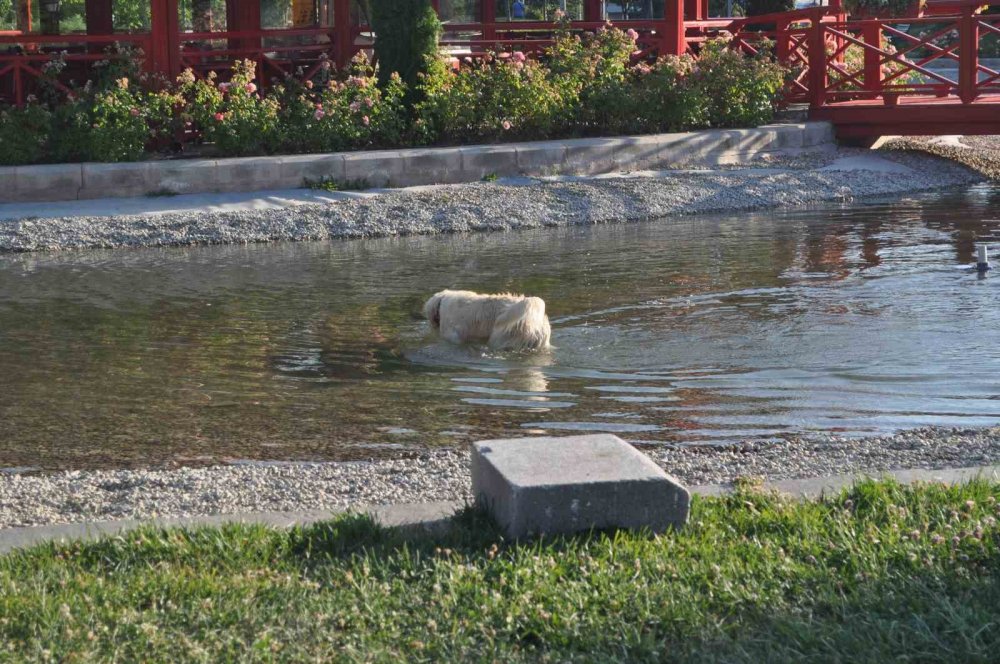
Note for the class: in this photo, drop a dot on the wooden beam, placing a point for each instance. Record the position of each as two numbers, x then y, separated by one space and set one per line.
673 38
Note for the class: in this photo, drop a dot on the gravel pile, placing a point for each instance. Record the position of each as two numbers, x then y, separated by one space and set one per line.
980 153
444 475
496 206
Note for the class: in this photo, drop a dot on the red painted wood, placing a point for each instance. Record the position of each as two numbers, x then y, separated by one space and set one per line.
674 40
968 64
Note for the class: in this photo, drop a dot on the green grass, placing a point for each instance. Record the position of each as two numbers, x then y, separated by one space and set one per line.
880 573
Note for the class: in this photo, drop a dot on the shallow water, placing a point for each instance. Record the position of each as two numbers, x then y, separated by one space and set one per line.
698 330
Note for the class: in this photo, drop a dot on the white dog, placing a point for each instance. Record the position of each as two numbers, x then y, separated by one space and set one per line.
503 321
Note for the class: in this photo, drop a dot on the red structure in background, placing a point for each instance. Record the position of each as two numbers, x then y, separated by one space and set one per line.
869 77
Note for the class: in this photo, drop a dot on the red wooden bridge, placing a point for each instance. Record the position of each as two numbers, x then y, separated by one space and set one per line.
934 74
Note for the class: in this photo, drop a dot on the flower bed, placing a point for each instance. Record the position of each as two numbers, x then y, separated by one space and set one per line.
580 86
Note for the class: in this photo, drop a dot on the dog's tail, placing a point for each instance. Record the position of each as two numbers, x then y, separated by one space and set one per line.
522 326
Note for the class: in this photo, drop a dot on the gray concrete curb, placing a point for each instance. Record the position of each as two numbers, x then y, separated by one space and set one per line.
435 517
404 168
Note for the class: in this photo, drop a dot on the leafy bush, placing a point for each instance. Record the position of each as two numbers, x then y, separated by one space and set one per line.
589 85
23 134
406 37
244 122
495 98
738 90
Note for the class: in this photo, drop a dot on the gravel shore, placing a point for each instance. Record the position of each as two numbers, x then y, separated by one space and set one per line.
979 153
444 475
841 175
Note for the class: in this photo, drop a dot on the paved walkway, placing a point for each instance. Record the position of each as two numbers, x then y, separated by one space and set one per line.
429 517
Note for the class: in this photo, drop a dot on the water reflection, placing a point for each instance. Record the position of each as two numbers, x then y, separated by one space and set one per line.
698 330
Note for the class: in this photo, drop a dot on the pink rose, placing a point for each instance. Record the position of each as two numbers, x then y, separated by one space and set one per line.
134 112
318 115
368 102
250 87
365 120
518 56
506 125
355 106
224 87
632 34
309 85
319 105
219 117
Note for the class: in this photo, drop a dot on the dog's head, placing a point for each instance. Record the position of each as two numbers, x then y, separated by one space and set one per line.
432 309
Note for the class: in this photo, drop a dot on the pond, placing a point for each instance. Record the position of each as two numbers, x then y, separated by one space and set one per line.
701 330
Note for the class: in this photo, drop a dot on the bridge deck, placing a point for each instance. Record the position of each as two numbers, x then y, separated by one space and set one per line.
912 116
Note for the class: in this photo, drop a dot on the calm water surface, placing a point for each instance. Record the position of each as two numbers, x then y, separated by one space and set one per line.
698 331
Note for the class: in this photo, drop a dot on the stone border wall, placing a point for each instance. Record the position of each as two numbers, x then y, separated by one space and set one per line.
403 168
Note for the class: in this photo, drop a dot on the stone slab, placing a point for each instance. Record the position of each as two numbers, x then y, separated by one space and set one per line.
479 161
118 179
411 167
547 485
378 168
48 182
183 176
296 169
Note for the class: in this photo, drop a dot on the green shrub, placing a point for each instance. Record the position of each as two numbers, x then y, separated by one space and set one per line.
495 98
406 37
738 90
23 134
244 123
99 126
350 114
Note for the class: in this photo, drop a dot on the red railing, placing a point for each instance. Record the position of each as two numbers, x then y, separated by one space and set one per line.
23 58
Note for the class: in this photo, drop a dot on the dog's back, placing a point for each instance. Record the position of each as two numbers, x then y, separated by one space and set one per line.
505 321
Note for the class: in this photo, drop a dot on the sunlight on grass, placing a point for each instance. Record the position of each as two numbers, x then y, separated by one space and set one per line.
879 573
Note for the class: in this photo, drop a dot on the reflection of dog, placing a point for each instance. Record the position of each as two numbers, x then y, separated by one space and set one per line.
504 321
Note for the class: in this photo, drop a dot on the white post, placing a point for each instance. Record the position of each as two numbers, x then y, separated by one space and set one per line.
983 260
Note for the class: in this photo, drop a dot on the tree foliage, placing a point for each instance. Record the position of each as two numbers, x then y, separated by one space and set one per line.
406 38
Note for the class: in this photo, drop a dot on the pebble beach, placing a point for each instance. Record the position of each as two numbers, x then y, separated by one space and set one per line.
770 181
30 499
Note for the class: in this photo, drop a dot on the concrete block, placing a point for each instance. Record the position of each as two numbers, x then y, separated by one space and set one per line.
379 168
479 161
817 133
788 135
562 485
695 148
636 153
540 157
51 182
115 180
430 166
754 140
247 173
590 156
296 169
182 176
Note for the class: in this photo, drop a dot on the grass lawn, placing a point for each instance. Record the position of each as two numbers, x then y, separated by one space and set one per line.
880 573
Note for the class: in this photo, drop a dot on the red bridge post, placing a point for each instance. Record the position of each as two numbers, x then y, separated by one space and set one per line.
871 35
817 60
968 52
